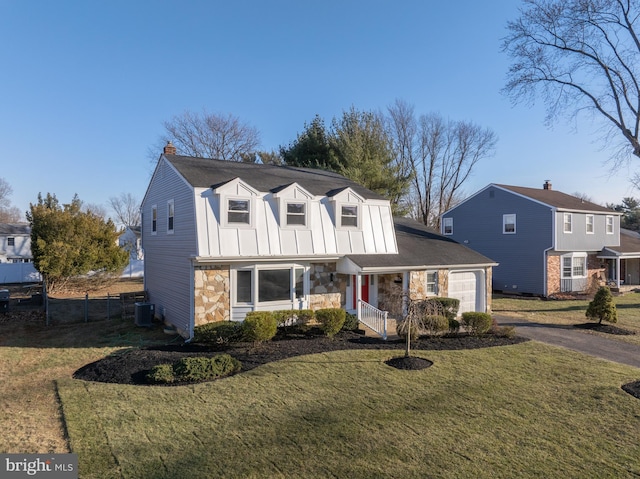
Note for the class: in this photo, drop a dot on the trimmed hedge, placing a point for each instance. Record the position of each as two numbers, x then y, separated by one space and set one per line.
435 324
293 317
259 326
331 320
476 323
351 322
218 332
193 369
449 305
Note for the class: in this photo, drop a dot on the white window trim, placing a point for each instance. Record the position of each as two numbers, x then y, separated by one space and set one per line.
284 214
171 207
593 224
564 223
435 283
609 221
154 212
573 256
255 269
358 208
504 224
225 212
447 222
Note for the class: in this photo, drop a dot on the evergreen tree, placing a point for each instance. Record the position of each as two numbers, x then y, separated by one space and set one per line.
602 307
67 242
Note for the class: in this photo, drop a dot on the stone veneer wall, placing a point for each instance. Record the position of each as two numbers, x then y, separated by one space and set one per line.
212 294
325 293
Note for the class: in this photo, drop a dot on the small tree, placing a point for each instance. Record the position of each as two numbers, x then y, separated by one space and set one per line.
602 307
67 242
419 318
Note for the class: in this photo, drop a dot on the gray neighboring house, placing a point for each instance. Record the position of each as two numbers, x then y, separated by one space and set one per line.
222 239
546 242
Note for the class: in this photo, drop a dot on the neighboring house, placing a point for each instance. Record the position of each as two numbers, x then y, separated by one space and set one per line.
16 260
223 238
546 242
624 260
131 240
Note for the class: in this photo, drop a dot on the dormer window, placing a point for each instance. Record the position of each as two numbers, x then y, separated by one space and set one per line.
349 216
296 214
238 211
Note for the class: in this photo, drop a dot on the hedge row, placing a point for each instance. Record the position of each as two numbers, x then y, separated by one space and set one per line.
194 369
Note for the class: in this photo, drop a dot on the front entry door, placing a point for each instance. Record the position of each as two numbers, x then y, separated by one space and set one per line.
364 289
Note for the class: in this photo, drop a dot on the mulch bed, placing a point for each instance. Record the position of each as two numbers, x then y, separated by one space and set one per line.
131 366
605 328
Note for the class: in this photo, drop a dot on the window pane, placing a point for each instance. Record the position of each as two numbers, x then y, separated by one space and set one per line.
243 286
349 216
578 266
566 267
448 226
431 282
238 211
295 214
274 285
299 282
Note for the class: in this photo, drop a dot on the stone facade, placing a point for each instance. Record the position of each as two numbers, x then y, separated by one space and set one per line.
212 294
327 289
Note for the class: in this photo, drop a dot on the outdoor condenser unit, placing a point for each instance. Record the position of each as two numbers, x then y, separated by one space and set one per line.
144 314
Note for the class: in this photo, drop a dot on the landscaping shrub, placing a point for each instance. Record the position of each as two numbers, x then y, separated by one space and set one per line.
204 369
351 322
161 374
476 323
602 307
331 320
454 326
218 332
194 369
449 305
259 326
293 317
435 324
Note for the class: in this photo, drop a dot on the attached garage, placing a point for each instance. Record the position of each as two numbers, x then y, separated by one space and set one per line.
466 286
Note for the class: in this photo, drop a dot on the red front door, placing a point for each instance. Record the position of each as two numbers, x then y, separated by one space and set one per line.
364 289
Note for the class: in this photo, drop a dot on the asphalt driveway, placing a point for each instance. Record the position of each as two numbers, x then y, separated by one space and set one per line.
572 338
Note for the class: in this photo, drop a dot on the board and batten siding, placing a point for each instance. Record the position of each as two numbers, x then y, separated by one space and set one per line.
579 239
269 238
478 224
168 272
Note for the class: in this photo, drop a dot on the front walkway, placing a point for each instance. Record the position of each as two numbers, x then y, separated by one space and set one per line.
572 338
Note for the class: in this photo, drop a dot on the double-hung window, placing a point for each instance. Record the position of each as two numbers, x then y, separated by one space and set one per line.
170 216
567 223
447 226
349 215
590 224
11 241
239 211
509 224
154 219
432 282
296 214
609 224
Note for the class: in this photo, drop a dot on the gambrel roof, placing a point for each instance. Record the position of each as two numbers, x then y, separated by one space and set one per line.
207 173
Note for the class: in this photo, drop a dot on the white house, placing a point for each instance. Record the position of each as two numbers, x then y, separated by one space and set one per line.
222 238
16 260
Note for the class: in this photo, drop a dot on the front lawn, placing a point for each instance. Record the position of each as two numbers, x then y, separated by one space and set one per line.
527 410
553 311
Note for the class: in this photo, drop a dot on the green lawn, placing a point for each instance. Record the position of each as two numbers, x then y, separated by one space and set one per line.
529 410
570 311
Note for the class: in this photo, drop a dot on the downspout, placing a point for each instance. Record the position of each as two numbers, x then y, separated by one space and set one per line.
192 313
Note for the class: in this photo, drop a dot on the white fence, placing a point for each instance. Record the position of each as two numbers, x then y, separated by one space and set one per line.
18 273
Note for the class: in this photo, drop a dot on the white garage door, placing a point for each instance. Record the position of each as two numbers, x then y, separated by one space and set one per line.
463 285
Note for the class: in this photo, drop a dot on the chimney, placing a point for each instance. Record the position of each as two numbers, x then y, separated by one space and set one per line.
546 186
169 149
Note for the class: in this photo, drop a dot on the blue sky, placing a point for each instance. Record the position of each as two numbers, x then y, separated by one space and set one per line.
86 85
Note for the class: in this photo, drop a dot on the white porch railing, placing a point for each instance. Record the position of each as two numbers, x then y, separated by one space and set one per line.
373 318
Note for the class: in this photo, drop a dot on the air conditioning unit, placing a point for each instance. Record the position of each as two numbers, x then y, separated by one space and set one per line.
144 314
